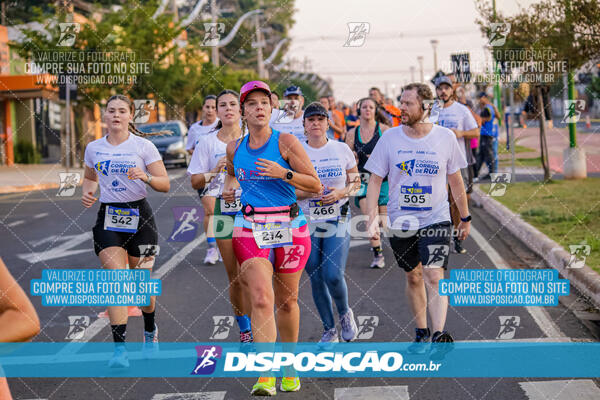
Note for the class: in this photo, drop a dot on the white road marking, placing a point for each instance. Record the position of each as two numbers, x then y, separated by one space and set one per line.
539 314
63 250
190 396
580 389
15 223
100 323
372 392
41 215
358 242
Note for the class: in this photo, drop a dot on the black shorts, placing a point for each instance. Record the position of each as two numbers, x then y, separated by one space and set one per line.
134 243
429 246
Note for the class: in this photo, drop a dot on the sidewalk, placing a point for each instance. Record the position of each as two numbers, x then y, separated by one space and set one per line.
26 177
558 141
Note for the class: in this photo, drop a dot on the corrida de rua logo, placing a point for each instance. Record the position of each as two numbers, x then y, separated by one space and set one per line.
419 167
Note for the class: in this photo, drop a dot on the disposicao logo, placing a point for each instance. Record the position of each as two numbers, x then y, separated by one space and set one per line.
207 359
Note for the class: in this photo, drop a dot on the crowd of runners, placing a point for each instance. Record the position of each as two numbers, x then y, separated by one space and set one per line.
276 179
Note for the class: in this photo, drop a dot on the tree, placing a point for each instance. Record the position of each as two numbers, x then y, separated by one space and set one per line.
558 31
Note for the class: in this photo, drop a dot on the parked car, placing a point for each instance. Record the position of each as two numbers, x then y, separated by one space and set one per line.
171 147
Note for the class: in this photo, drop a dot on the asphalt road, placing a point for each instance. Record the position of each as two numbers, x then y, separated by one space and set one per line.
41 231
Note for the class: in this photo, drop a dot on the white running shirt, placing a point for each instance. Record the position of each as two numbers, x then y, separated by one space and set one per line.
417 171
331 163
206 155
285 124
196 131
111 164
457 116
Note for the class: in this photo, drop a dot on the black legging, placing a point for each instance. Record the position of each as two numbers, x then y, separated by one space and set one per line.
486 153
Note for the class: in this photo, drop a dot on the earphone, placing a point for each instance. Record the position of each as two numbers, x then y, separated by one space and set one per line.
359 104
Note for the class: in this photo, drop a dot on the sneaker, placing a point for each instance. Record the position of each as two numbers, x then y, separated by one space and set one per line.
378 262
441 344
329 337
246 337
264 387
150 347
290 384
421 342
212 255
458 247
120 359
349 328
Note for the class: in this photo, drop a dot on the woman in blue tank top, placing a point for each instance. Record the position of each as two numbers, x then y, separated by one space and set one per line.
269 166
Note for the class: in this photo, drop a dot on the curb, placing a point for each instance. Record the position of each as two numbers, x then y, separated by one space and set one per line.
586 280
28 188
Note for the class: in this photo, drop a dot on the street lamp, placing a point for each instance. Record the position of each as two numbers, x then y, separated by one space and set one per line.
420 60
434 44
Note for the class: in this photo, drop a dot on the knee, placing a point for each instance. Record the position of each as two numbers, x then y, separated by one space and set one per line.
261 299
414 278
288 306
333 279
432 280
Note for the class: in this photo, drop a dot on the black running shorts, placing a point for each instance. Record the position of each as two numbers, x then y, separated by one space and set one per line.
429 246
134 243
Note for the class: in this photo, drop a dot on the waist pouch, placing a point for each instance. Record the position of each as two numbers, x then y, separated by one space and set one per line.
263 215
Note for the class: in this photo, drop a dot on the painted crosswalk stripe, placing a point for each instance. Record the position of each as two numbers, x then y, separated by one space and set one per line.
101 323
15 223
580 389
372 392
356 243
190 396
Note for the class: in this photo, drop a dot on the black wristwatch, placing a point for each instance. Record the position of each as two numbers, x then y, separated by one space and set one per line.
466 219
289 175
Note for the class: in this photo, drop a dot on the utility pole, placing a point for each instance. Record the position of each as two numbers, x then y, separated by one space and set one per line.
420 60
412 73
434 44
262 72
215 49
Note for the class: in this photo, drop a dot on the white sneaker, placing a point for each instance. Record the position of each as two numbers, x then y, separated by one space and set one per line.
212 255
349 328
328 339
378 262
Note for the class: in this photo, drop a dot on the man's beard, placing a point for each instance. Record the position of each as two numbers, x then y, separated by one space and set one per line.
416 119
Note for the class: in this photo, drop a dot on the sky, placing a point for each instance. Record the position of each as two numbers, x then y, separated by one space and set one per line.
399 32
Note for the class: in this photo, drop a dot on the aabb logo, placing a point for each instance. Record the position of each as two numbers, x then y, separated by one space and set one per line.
207 359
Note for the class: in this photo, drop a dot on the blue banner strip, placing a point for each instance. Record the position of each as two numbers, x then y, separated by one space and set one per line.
222 359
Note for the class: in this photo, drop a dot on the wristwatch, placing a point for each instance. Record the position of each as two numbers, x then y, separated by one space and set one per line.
466 219
289 175
149 178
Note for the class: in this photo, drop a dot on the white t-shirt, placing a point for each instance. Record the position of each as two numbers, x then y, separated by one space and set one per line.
417 171
458 116
207 154
197 130
331 163
111 164
286 124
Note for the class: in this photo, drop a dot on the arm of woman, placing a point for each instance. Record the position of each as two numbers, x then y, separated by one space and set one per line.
18 318
352 186
230 181
89 187
305 177
160 180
